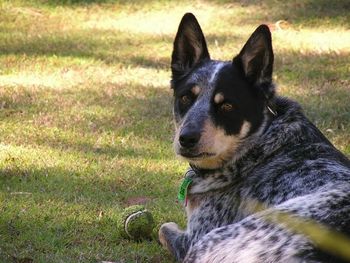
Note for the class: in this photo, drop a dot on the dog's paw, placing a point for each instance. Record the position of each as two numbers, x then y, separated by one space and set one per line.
166 232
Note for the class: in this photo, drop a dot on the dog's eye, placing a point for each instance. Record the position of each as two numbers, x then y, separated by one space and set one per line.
226 107
185 100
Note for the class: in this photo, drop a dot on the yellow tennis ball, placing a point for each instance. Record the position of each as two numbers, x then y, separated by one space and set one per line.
136 223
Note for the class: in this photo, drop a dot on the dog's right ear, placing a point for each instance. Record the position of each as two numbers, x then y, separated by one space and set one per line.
256 57
190 47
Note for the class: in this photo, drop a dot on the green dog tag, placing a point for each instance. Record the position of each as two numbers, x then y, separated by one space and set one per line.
181 196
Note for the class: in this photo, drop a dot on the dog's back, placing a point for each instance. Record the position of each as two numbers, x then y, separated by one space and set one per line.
291 158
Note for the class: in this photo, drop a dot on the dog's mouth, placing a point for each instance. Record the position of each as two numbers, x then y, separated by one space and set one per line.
197 156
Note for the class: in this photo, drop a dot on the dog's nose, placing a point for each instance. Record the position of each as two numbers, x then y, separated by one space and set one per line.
189 139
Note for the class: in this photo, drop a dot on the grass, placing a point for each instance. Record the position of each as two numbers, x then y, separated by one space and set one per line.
85 110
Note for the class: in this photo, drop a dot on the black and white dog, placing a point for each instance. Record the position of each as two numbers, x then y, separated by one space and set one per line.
265 185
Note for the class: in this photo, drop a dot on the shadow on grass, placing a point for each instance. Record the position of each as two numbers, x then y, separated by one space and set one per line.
307 12
127 50
53 211
89 2
86 186
74 210
304 12
99 115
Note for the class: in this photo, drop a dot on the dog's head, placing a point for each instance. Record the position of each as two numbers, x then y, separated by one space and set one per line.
218 105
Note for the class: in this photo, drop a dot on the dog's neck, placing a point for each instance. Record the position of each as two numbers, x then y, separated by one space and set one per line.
204 180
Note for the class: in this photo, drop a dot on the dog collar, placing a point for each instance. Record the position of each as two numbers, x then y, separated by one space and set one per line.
273 112
183 190
270 105
198 181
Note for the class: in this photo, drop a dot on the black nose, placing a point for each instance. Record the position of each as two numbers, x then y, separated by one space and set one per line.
189 138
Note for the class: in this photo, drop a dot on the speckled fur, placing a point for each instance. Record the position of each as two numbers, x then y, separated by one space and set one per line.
292 168
288 166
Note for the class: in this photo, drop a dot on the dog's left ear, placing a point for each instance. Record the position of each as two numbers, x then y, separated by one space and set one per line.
190 47
256 57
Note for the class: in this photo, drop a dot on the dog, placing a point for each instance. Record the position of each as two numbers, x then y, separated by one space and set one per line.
264 184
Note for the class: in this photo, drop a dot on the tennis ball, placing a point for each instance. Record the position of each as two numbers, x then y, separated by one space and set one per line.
136 223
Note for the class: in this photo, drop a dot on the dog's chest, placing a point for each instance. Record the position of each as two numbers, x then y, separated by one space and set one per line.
210 210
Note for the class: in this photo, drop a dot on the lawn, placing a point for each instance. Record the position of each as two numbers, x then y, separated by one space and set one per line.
85 111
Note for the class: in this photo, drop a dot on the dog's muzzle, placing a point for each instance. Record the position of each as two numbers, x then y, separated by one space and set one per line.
189 138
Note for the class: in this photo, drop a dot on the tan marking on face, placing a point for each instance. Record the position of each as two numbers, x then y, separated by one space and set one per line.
219 97
245 129
196 90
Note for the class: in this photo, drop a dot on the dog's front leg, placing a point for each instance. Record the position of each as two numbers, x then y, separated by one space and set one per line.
174 239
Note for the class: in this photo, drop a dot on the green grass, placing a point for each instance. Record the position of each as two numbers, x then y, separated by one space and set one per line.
85 111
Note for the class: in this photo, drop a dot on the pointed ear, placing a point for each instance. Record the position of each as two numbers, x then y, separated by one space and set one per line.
256 57
190 47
